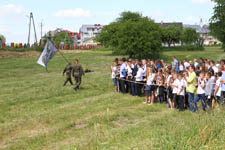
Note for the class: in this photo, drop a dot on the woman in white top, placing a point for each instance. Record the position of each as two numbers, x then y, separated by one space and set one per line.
149 99
201 92
181 66
139 79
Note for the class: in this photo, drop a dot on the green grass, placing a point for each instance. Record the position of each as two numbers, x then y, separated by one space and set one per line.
38 113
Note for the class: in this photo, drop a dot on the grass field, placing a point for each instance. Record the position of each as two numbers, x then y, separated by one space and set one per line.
38 113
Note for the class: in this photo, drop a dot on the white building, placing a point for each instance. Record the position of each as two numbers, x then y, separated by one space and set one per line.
89 32
204 33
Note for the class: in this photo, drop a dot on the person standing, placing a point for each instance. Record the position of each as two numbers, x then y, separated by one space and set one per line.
201 92
134 73
68 70
180 92
114 71
77 72
191 82
123 75
175 65
139 79
222 98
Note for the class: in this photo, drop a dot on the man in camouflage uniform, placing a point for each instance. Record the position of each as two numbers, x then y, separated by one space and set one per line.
77 72
68 70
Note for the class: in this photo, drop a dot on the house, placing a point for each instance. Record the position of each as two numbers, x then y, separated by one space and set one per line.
166 24
204 33
89 32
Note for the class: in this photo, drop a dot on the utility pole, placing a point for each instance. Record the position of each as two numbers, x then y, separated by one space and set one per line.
41 28
31 21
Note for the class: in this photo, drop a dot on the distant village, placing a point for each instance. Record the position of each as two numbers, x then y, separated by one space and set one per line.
87 33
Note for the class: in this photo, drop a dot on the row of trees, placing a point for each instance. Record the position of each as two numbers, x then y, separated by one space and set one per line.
175 35
137 36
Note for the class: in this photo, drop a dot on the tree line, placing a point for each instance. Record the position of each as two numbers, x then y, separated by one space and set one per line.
139 37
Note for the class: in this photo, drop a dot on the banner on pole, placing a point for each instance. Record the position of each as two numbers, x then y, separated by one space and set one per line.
48 53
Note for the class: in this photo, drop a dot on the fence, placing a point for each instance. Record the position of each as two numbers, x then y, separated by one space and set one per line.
62 47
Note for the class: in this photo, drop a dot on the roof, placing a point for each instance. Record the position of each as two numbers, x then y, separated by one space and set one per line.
198 28
166 24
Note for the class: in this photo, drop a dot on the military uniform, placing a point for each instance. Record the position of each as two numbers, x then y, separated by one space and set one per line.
68 70
77 72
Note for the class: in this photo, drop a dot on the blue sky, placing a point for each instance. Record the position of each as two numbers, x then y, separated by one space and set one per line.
71 14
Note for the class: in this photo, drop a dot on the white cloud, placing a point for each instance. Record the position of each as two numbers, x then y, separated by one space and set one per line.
201 1
70 13
10 10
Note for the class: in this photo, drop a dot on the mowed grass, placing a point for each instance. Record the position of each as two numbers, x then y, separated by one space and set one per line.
38 113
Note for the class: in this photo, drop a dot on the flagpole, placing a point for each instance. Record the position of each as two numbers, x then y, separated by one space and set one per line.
63 56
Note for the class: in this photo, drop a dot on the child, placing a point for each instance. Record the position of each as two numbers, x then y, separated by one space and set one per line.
200 92
170 93
115 73
180 92
217 92
149 84
160 84
175 86
210 81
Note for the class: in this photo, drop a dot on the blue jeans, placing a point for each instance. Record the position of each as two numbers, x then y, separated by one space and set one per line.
203 101
161 99
191 102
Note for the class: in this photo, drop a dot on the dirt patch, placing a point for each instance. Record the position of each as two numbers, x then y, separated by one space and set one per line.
12 54
80 126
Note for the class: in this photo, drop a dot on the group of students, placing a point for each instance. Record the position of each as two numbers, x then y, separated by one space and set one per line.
181 84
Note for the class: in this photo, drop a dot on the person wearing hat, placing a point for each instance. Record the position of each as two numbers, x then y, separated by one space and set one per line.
77 72
68 70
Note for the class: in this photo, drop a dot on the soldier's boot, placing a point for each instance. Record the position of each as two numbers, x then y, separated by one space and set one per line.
65 83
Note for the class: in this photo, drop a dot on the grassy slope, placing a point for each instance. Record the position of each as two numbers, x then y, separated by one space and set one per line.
37 113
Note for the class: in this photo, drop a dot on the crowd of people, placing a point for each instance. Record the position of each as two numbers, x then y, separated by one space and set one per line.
181 84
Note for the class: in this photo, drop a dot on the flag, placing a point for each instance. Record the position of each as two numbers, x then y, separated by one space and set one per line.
48 53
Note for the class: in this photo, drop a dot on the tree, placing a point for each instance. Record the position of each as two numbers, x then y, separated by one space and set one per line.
217 21
190 37
63 37
128 15
171 35
133 35
2 39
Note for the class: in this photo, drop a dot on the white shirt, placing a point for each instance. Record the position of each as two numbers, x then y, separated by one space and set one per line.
215 69
122 67
181 68
181 85
186 65
175 86
139 76
218 83
114 70
151 79
144 70
196 64
129 71
201 90
168 80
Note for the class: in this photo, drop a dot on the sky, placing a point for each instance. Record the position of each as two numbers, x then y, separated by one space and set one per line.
71 14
